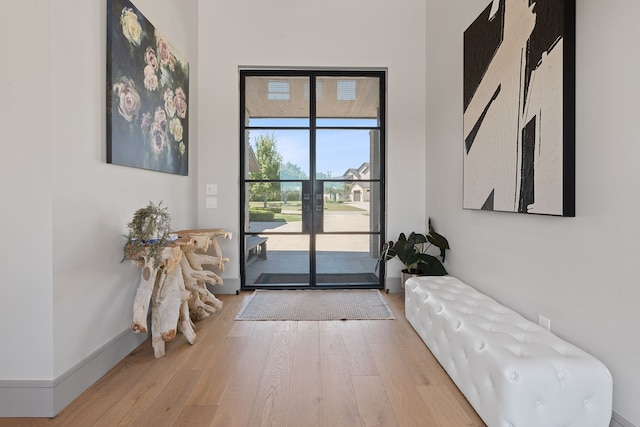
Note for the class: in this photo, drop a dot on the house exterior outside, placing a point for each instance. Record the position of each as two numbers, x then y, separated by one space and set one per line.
359 191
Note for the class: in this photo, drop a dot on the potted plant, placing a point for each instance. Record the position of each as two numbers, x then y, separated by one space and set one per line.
412 250
148 231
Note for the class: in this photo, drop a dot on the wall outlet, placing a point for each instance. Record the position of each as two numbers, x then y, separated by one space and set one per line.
544 322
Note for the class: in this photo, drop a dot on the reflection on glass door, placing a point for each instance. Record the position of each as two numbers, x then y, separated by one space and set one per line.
312 156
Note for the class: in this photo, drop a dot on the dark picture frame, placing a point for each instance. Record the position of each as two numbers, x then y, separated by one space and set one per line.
519 108
147 94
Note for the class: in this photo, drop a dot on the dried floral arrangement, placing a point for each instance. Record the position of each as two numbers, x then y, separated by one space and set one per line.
148 230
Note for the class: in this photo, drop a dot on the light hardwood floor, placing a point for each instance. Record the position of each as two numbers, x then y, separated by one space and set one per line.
240 373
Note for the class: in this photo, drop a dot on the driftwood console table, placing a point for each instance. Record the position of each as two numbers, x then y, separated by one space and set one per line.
176 289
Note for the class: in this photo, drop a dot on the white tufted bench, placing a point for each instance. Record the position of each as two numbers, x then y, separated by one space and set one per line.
513 372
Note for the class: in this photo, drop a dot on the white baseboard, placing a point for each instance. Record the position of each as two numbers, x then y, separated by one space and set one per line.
619 421
392 285
46 398
231 285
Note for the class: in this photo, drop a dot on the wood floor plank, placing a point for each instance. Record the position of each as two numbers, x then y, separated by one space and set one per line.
242 329
358 354
166 408
195 416
305 397
271 400
373 403
217 356
210 386
339 405
329 373
445 409
400 387
239 396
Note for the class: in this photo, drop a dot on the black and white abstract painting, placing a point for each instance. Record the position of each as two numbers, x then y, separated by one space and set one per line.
519 108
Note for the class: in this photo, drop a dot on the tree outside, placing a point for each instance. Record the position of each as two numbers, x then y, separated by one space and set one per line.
269 160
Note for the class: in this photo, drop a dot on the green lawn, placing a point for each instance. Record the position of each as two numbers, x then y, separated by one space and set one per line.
290 207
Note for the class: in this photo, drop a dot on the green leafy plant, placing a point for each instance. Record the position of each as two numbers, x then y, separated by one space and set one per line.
148 230
411 251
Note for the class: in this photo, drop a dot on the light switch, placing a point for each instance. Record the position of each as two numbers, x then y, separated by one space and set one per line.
212 202
212 189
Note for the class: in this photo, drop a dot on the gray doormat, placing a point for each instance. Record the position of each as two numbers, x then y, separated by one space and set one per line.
361 304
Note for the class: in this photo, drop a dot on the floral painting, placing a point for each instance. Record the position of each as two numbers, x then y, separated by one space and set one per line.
147 94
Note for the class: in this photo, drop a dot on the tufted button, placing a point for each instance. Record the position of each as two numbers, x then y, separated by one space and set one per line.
512 374
562 377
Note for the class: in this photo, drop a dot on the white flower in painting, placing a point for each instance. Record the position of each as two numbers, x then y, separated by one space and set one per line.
160 117
164 52
175 126
151 59
180 101
150 78
131 26
128 98
169 105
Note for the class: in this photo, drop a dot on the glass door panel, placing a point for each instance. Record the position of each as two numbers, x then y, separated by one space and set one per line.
282 212
284 262
348 254
277 96
277 154
351 206
347 154
348 97
312 179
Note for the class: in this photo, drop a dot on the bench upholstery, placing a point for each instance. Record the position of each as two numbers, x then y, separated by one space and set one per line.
512 371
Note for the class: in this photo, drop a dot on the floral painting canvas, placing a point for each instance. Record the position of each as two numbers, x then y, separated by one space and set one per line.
147 94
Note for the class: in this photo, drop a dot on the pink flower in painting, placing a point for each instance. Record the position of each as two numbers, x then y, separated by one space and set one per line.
158 138
151 59
180 100
145 123
150 78
164 51
131 26
169 104
160 117
175 126
129 98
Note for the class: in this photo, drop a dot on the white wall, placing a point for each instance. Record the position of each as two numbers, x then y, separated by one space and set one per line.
64 210
305 33
580 272
26 191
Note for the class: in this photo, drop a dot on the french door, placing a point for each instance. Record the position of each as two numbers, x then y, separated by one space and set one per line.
312 182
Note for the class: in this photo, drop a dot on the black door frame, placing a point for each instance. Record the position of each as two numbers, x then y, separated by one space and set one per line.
316 184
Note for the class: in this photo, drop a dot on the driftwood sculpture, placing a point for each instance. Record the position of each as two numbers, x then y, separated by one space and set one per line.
176 289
